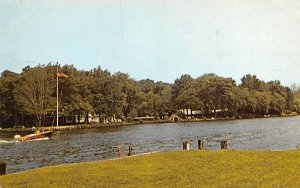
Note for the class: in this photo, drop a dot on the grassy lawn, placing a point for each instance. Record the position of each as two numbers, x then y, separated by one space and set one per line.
172 169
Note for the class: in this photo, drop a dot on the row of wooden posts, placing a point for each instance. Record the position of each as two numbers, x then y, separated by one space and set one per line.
2 169
185 146
121 151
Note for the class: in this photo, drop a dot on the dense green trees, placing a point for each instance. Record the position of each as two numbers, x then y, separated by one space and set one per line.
8 107
33 92
295 90
210 93
29 98
154 98
74 93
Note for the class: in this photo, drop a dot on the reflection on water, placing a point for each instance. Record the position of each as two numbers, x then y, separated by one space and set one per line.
102 143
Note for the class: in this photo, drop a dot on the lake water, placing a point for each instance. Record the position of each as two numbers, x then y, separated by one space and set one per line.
102 143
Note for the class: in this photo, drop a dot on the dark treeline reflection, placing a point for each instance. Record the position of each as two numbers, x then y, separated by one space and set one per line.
29 98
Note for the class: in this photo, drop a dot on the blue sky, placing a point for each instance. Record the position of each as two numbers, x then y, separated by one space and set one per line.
158 39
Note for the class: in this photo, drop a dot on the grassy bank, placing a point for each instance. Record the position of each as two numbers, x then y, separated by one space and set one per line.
172 169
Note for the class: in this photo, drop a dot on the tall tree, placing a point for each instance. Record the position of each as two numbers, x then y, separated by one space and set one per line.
34 92
99 83
115 98
189 98
164 101
178 87
75 94
8 108
107 96
253 83
130 90
149 104
217 93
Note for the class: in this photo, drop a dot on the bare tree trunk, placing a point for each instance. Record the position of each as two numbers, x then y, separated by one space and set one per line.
39 120
87 118
74 119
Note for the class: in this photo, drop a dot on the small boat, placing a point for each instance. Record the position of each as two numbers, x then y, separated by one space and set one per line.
45 135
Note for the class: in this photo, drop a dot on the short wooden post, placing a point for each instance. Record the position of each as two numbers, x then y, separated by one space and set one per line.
200 145
130 150
2 168
121 152
186 145
223 144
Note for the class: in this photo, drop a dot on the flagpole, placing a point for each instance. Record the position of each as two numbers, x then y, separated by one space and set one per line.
57 94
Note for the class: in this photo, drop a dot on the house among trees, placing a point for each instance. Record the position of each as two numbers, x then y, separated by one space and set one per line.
200 114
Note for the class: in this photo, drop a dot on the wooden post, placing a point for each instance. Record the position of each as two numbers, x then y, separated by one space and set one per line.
223 144
2 168
121 152
200 145
186 145
130 150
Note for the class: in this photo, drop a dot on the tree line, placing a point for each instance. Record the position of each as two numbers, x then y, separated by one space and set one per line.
29 98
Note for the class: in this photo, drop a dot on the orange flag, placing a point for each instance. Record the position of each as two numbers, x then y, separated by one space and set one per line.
61 75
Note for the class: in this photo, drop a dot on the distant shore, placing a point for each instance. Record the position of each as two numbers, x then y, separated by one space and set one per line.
100 125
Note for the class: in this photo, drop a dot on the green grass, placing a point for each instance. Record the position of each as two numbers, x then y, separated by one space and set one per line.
172 169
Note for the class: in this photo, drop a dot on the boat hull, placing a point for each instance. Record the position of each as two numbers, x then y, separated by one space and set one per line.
41 136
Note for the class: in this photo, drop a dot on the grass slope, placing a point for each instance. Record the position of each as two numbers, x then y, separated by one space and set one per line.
172 169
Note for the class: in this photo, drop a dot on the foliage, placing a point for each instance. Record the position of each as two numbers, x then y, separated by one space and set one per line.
8 108
177 89
34 92
31 96
74 92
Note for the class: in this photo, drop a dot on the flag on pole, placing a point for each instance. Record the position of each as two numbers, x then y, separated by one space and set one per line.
61 75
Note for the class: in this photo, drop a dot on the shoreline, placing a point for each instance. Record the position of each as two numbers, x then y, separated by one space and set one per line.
145 154
205 168
101 125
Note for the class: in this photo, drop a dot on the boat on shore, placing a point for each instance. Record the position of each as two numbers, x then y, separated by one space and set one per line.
44 135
